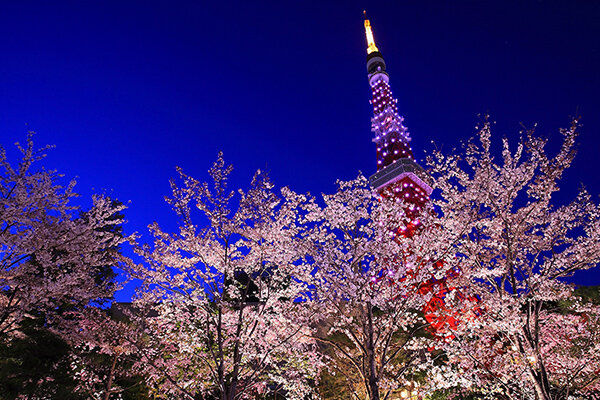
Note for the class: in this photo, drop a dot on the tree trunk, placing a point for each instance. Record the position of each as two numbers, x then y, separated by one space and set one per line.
373 389
538 375
371 373
228 394
539 386
110 378
231 392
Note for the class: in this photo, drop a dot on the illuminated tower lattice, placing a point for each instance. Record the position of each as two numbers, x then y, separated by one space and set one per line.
398 174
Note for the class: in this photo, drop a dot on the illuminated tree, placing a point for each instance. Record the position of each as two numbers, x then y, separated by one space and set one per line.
103 356
514 246
54 261
365 277
223 297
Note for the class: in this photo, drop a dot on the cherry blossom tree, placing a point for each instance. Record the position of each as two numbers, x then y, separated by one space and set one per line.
222 297
54 260
514 246
365 278
105 352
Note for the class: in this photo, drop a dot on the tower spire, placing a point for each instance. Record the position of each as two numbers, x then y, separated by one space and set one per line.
370 39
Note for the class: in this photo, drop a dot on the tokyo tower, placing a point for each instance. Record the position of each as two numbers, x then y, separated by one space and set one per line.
398 175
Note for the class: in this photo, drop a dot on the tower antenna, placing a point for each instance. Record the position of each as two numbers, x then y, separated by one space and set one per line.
371 48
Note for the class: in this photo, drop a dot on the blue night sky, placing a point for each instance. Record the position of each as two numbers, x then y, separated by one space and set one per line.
128 90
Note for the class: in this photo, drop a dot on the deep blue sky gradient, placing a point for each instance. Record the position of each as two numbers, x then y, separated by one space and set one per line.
127 90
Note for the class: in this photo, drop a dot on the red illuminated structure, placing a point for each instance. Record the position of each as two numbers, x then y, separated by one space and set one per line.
399 175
